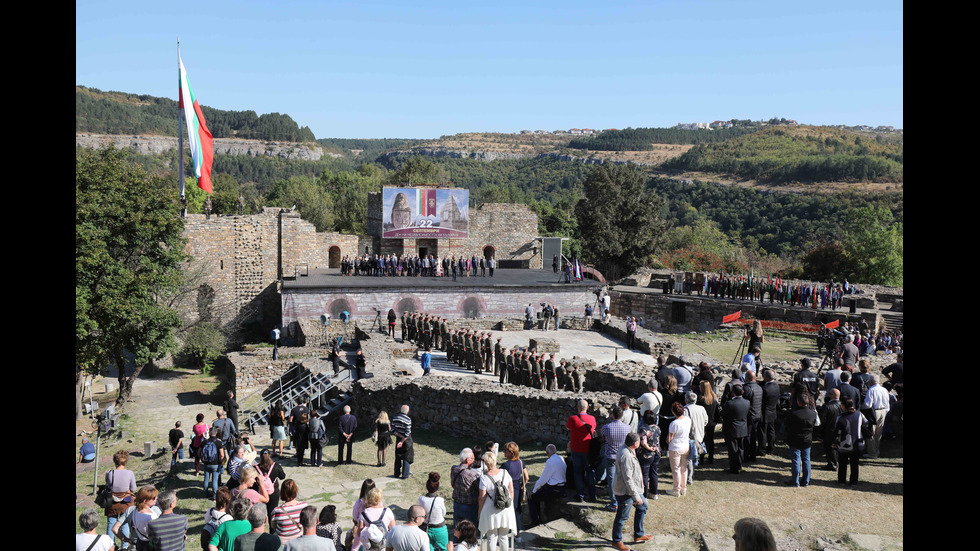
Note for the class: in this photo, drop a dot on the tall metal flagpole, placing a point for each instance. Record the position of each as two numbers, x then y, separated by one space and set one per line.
180 138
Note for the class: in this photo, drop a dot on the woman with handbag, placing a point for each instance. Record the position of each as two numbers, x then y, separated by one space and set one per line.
382 436
517 470
435 515
119 491
679 447
138 517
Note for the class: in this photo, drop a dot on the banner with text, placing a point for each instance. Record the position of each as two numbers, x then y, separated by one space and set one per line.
425 213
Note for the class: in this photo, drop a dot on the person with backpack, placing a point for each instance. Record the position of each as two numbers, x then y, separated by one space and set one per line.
226 430
270 473
375 519
212 458
216 516
851 430
496 499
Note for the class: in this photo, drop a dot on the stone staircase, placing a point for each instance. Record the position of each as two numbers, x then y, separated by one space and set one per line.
322 388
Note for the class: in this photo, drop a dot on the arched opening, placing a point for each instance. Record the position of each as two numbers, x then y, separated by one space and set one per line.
489 252
333 257
339 305
409 305
472 308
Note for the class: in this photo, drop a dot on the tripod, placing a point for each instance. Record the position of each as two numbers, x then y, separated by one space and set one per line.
741 350
377 322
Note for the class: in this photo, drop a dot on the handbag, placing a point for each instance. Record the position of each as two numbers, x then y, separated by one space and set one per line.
104 496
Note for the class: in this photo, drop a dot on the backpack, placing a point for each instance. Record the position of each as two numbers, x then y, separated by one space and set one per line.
270 487
375 531
209 452
501 497
207 532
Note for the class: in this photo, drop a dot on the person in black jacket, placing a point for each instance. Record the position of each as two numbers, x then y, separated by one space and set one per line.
753 393
770 404
828 423
799 436
735 427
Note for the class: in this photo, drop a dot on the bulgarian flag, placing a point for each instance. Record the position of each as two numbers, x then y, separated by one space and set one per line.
198 136
427 202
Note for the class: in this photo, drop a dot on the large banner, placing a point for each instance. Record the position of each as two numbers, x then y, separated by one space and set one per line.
425 213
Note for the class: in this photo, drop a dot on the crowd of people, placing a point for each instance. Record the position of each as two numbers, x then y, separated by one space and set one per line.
258 507
393 265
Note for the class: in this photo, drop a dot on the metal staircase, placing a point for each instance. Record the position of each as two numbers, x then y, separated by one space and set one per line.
295 383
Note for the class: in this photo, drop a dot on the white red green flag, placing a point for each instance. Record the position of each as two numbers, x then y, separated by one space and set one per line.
198 136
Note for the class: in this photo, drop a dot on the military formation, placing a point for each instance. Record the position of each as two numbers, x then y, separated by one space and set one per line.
480 353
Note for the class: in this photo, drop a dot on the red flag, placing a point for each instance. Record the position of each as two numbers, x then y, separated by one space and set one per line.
833 325
731 317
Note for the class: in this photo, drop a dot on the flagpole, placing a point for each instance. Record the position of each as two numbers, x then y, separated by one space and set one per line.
180 140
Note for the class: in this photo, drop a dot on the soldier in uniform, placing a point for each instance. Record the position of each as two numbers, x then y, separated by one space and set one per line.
444 331
498 358
561 375
510 361
488 353
536 378
577 379
525 367
549 373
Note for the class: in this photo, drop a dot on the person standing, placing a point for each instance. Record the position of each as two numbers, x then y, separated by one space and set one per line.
317 431
168 532
679 447
849 441
345 436
878 403
735 413
832 410
492 263
582 427
627 485
309 541
495 502
799 437
408 536
699 420
613 435
401 427
176 438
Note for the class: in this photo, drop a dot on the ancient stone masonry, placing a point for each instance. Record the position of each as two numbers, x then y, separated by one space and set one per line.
646 341
468 406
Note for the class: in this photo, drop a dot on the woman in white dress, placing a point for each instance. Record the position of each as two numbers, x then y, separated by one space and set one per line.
495 523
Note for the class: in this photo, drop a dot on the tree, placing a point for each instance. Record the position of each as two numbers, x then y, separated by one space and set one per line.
619 219
416 170
311 200
129 250
875 246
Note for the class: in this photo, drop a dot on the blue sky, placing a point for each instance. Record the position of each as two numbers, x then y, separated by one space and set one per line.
374 69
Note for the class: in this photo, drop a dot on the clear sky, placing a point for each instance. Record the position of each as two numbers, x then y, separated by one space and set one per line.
413 69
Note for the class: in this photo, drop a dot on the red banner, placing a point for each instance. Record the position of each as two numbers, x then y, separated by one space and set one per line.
731 317
833 325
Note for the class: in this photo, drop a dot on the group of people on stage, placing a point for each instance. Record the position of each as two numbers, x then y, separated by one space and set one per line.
802 293
392 265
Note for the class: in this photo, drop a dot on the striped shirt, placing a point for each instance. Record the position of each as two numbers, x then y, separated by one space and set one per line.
286 520
402 424
168 532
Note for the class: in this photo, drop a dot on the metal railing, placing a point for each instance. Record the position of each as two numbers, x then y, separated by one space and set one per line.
314 384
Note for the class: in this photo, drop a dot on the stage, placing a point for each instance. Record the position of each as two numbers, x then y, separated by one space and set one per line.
506 294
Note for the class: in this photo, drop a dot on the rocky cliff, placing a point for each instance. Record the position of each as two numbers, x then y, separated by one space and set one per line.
151 145
488 155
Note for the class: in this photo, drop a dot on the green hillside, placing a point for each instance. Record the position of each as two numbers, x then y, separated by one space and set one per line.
800 154
122 113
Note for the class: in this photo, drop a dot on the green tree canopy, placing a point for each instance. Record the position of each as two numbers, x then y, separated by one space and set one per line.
619 219
129 250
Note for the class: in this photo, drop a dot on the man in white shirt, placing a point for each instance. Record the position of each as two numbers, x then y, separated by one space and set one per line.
550 485
699 420
408 536
651 399
630 417
877 401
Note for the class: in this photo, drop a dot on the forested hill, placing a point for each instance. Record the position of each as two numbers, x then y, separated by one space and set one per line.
800 154
122 113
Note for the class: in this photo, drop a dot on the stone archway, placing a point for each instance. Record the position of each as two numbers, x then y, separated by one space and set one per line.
472 307
489 252
339 305
407 304
333 257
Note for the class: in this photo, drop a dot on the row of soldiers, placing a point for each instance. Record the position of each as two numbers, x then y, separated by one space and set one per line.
479 353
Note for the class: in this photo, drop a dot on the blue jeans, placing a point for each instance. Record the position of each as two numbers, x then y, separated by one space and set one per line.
402 468
795 455
212 477
175 456
584 477
123 531
625 503
609 470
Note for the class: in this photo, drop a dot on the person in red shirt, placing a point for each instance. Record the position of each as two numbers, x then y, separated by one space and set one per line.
582 426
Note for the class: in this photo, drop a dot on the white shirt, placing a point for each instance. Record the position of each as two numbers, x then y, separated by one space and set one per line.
877 398
699 420
650 401
553 473
631 418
